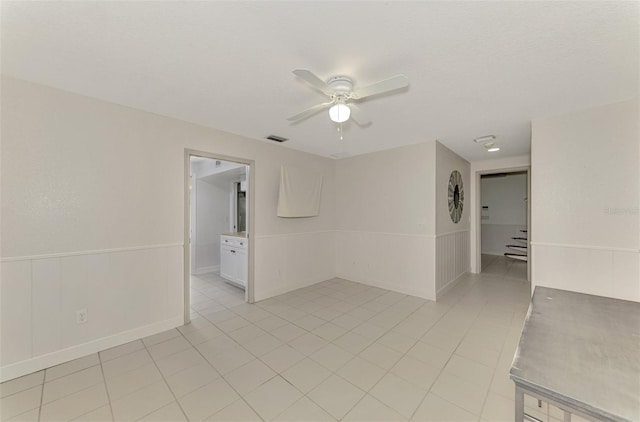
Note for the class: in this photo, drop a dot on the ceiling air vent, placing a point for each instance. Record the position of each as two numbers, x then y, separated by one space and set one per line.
277 138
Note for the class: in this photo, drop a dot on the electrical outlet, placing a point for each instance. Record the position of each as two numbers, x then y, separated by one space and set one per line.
81 316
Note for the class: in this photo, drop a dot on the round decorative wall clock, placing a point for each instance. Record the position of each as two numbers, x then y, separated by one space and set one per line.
456 196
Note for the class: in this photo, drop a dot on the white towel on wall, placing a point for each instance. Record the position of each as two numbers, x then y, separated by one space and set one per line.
300 192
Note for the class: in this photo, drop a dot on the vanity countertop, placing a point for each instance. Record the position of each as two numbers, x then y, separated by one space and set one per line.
237 234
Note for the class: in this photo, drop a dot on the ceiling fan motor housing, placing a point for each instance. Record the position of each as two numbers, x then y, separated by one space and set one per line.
341 84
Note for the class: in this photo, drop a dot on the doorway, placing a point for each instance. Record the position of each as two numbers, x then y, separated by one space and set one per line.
218 254
504 224
239 202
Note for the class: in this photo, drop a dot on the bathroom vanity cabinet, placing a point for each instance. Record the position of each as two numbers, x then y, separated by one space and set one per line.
234 262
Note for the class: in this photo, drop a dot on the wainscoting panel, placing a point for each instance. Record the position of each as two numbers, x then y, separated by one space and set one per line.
452 259
399 262
15 313
598 271
130 290
286 262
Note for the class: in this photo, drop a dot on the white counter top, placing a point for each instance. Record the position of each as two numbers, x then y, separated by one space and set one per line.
237 234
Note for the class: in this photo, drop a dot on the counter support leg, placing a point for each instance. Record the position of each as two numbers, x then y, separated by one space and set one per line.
519 405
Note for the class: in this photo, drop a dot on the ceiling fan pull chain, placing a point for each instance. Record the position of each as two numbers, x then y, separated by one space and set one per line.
340 130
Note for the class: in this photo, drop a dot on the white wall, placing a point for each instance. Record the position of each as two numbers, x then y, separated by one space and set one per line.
212 219
506 214
393 224
585 185
386 219
92 216
505 196
204 167
452 239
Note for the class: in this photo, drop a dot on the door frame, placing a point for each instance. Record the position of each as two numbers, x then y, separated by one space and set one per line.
188 153
478 214
193 237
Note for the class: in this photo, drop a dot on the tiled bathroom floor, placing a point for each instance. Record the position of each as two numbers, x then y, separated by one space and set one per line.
336 350
211 293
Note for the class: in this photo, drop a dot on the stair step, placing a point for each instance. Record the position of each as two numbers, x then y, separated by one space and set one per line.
518 246
517 256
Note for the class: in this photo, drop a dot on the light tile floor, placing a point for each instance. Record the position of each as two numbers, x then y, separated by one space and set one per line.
501 265
336 350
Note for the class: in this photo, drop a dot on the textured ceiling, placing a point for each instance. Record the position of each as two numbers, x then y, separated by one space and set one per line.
475 68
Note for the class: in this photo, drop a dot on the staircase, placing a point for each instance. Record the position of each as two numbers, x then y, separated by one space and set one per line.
520 249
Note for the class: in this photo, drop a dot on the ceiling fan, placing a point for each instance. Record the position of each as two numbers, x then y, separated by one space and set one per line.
341 93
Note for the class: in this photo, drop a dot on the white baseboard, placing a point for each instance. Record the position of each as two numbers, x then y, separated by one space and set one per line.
276 292
38 363
450 285
205 270
387 286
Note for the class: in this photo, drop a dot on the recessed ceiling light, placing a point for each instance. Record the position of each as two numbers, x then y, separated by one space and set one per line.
494 149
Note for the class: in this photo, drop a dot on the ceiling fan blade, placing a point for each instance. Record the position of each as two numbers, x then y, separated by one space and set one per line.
358 115
310 77
310 112
391 84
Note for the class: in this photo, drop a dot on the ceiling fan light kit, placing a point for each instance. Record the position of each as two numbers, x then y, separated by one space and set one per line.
341 93
339 113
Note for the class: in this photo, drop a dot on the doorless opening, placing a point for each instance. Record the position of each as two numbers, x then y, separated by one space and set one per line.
218 221
504 223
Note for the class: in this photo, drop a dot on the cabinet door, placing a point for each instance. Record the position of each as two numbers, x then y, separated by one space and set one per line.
242 267
227 263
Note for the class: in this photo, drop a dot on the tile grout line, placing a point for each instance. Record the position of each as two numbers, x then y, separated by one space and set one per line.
453 353
451 307
375 340
72 372
26 389
402 356
356 355
448 360
106 388
486 397
163 378
104 378
224 379
279 374
44 374
221 375
71 393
